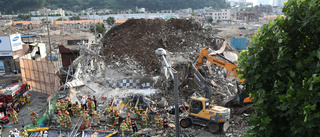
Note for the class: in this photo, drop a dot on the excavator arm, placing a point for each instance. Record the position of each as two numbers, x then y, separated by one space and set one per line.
242 97
225 63
191 69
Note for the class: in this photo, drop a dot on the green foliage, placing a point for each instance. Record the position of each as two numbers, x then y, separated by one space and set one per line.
282 72
111 20
210 20
74 18
99 28
60 19
193 14
218 21
24 17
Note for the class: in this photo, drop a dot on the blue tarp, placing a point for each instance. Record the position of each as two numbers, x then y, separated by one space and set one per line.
239 43
28 36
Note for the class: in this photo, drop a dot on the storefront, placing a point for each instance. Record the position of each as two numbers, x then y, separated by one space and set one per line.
8 45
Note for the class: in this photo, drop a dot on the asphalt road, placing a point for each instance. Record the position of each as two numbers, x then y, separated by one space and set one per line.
38 104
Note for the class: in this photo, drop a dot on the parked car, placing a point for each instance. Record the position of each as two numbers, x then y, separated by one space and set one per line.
242 28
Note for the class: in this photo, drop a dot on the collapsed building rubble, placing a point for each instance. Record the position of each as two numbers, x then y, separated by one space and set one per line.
127 66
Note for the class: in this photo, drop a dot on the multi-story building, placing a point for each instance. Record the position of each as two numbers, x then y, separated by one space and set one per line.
222 15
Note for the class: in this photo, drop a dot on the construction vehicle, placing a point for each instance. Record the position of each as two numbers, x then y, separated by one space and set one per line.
199 111
14 97
242 96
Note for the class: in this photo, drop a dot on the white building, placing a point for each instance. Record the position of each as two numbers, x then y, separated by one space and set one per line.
140 10
222 15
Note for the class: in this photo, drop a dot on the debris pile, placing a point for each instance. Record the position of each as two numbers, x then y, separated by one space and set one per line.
128 51
139 38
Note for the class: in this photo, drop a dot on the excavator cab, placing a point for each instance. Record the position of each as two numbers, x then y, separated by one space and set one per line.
200 113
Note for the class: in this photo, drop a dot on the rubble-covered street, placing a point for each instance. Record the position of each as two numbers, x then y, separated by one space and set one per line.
127 66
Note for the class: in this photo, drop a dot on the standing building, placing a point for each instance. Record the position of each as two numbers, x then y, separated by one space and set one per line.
222 15
11 47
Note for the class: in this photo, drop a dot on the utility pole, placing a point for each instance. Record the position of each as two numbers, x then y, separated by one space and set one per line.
95 29
174 74
49 37
62 15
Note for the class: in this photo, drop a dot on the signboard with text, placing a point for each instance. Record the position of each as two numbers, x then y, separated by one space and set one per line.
16 43
10 43
5 45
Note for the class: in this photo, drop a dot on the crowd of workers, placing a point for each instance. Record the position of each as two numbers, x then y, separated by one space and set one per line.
88 111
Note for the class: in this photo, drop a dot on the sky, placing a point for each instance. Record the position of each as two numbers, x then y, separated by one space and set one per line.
255 2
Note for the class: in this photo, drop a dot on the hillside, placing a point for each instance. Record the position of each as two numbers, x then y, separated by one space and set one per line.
8 7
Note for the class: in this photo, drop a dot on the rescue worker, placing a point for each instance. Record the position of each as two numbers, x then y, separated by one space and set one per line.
58 104
11 134
78 109
83 103
16 132
95 102
211 103
128 119
62 104
92 106
74 109
144 118
157 120
123 127
14 116
28 99
134 126
86 118
165 122
69 106
23 132
68 120
98 116
61 119
109 110
34 118
89 104
116 117
45 134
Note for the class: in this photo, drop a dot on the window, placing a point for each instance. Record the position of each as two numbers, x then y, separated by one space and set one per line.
196 106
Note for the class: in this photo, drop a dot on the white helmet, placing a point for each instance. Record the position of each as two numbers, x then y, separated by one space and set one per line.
46 132
10 131
15 130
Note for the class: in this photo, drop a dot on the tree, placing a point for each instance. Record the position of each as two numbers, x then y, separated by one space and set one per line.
60 19
74 18
193 14
99 28
282 72
111 20
218 21
210 20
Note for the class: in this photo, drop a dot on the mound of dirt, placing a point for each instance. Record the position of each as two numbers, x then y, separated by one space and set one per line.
139 38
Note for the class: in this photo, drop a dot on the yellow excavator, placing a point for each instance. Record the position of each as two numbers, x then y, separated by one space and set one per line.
242 96
201 110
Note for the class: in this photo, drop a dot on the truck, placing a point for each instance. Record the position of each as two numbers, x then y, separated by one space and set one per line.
12 97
